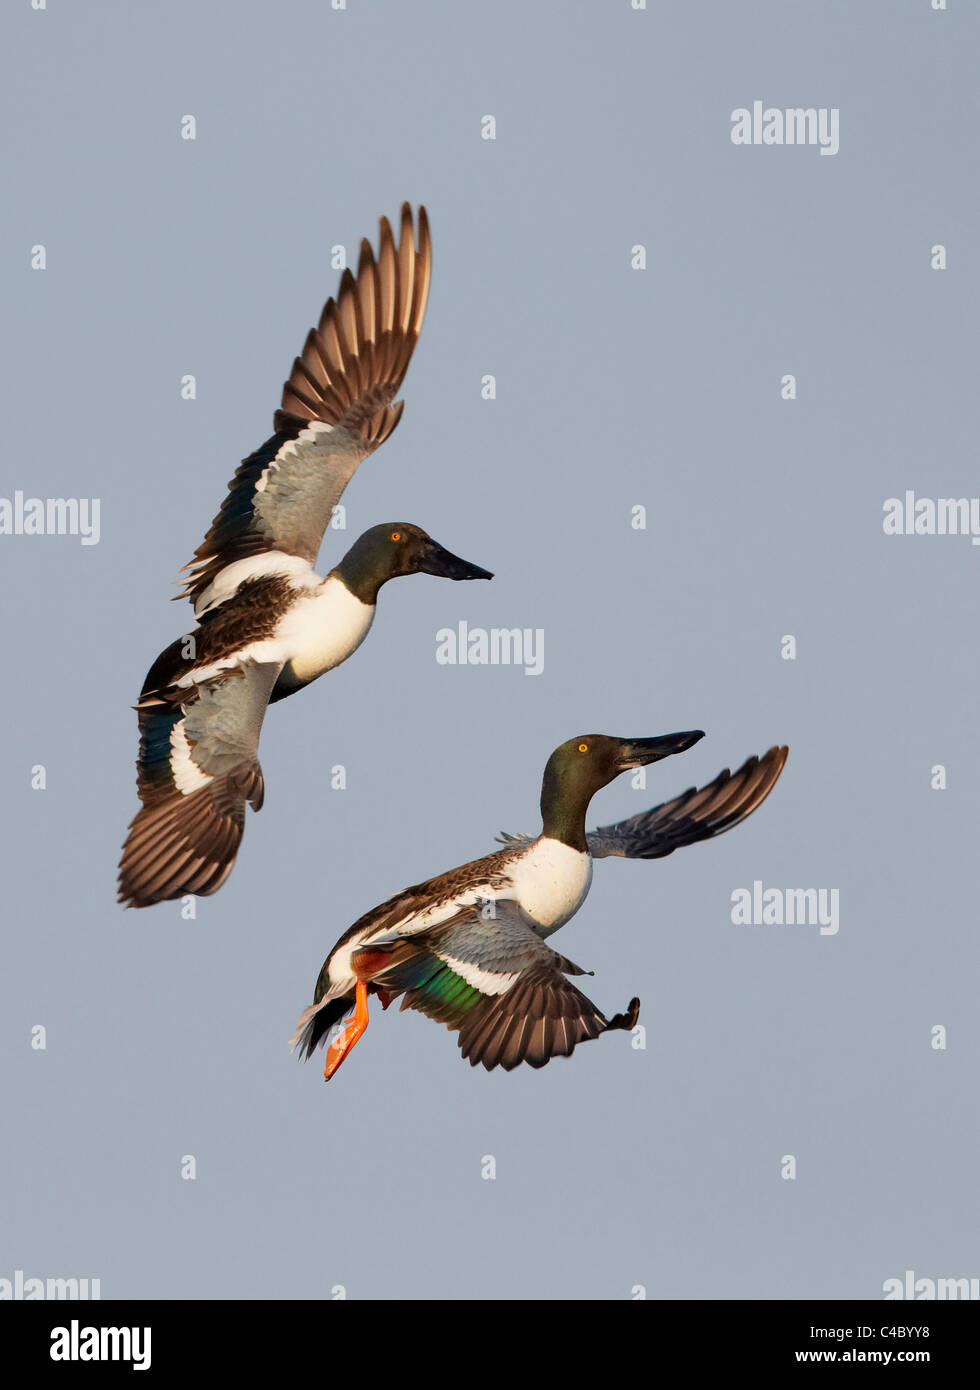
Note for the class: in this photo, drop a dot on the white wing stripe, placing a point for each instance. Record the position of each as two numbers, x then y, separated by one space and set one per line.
486 981
188 777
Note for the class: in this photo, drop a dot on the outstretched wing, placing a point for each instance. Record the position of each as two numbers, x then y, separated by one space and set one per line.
695 815
494 981
200 718
337 407
698 814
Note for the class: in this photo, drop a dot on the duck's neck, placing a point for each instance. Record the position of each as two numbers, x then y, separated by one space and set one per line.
563 811
360 575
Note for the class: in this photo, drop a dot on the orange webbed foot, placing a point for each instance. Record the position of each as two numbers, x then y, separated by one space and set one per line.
349 1034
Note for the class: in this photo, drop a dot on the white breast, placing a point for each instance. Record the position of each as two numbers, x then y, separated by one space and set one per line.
322 630
551 882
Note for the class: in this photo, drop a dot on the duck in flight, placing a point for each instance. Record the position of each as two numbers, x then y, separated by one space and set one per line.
467 948
267 624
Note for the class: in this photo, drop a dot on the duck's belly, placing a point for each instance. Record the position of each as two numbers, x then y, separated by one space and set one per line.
551 882
320 632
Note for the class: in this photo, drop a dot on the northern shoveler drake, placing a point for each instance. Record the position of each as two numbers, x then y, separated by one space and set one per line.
267 624
468 948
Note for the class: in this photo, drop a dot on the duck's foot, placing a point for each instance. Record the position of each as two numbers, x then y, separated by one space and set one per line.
349 1034
626 1020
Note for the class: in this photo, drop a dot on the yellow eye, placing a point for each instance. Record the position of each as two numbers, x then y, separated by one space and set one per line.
583 748
396 535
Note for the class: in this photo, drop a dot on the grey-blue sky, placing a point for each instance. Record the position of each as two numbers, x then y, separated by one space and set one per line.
615 387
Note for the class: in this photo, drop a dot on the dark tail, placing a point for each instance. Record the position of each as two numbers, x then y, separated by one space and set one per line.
315 1023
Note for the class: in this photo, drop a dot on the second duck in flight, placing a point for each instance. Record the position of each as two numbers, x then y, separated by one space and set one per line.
267 623
467 948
